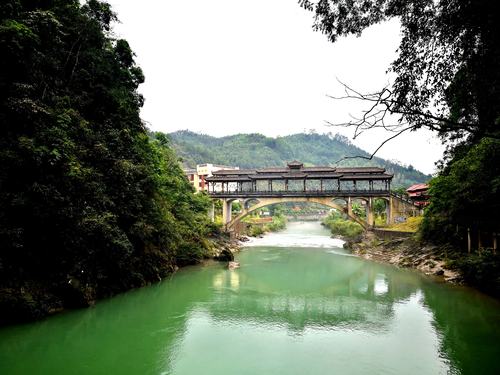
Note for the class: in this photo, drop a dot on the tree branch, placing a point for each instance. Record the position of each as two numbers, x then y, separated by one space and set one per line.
383 103
378 148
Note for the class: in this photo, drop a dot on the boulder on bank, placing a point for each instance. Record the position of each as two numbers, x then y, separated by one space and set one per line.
224 255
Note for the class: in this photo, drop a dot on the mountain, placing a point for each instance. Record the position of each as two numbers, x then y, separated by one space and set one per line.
257 150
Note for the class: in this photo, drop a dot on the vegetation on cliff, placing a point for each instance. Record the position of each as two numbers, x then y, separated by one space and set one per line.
89 205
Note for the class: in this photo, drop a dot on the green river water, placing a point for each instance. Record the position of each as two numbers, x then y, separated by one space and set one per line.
299 304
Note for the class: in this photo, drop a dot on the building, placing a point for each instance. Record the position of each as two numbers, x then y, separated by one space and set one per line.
419 194
199 175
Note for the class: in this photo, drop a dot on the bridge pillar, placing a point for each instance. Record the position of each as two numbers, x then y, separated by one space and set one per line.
349 207
390 212
226 211
370 218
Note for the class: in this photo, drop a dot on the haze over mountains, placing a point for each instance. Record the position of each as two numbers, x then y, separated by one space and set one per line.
257 150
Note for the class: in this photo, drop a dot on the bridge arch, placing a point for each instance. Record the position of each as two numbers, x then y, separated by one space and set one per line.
247 201
263 202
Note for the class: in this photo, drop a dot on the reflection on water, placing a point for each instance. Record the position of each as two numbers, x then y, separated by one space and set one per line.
298 309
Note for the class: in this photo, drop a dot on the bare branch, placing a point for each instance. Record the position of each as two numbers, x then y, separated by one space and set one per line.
378 148
383 103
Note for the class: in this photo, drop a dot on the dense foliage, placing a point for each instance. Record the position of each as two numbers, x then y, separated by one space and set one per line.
465 195
89 205
340 226
256 151
256 229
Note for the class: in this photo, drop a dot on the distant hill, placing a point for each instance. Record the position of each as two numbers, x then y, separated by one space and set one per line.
257 150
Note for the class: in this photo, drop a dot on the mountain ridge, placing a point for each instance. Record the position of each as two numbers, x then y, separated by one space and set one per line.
255 150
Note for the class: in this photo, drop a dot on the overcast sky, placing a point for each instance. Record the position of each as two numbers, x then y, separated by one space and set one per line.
256 66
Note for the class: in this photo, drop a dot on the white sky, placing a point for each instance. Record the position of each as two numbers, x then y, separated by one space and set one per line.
256 66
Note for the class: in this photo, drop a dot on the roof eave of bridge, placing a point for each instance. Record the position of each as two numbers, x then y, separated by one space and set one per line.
228 179
367 177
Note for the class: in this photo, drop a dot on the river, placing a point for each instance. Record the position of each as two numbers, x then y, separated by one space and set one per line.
299 304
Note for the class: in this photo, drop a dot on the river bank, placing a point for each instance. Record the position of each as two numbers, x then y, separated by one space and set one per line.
405 253
33 300
225 248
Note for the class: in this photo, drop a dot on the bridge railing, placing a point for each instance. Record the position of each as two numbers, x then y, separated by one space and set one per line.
403 198
299 193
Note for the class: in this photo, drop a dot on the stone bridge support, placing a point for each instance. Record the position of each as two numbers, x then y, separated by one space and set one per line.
370 217
227 205
398 208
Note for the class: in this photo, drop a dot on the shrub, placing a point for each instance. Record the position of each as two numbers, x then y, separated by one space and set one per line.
342 227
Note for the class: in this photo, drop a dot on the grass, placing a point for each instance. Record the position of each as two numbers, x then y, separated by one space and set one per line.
411 225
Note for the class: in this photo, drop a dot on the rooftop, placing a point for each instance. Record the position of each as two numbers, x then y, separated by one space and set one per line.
295 164
296 170
417 187
360 170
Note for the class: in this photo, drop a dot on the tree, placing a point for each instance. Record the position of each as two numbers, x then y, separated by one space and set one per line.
466 194
379 206
89 205
358 210
447 71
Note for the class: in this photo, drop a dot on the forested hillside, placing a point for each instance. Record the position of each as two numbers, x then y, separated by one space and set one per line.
257 150
89 205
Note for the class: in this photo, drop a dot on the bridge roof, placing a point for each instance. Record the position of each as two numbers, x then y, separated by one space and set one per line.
267 176
360 170
232 172
383 176
273 170
296 170
324 175
228 179
319 169
295 164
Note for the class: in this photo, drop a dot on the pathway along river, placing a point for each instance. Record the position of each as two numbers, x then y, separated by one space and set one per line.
299 304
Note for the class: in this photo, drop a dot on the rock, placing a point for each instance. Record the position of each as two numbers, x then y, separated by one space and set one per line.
224 255
233 265
439 272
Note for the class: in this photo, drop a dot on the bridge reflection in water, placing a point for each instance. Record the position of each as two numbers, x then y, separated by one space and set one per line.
297 183
354 294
